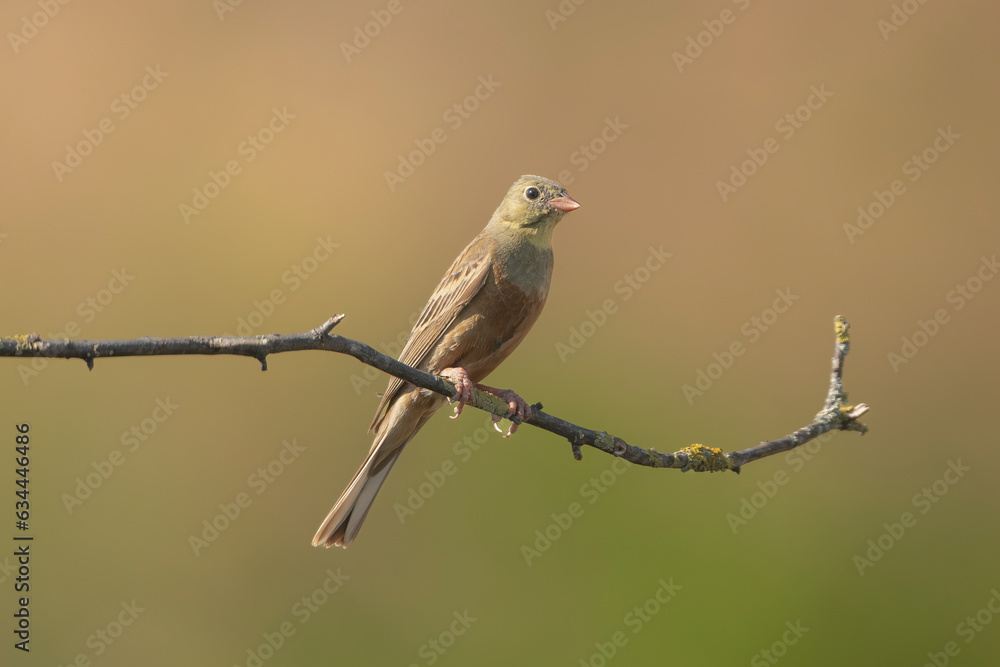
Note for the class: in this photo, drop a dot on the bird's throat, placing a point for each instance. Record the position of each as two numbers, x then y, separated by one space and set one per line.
540 235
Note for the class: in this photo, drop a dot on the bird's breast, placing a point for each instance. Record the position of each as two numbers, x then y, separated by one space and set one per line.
491 326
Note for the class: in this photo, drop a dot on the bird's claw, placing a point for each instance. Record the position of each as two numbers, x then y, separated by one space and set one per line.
464 389
518 409
510 431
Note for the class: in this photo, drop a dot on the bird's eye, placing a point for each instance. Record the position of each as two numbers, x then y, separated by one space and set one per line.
532 193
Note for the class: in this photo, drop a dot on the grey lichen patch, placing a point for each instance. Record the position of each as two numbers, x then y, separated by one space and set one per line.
487 401
605 442
655 460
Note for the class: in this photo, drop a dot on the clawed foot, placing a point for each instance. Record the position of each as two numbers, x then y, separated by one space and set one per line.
464 392
518 412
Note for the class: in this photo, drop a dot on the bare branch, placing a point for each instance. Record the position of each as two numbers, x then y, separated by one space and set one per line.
835 414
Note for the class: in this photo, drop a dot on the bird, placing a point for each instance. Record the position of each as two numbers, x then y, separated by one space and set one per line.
481 310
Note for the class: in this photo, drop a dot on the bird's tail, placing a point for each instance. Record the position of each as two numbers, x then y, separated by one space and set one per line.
344 521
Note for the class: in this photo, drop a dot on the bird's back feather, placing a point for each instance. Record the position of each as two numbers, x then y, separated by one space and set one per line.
457 288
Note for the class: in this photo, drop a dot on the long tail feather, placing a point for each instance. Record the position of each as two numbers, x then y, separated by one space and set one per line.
402 422
344 521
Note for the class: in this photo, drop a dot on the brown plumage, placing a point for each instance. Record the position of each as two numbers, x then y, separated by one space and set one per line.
481 310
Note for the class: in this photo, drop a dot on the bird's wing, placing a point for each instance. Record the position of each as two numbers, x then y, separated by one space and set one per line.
460 284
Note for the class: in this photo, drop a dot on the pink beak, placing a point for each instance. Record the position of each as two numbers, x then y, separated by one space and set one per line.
564 204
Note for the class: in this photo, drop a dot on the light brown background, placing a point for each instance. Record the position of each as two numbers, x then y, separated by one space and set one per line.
323 176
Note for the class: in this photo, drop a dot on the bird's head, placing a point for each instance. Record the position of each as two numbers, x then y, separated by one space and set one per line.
532 207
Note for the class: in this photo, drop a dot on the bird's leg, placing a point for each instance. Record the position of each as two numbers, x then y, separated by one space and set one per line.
519 408
463 388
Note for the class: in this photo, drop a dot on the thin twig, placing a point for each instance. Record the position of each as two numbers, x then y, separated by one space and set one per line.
834 415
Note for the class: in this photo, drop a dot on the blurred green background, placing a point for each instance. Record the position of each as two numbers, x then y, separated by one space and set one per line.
641 112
